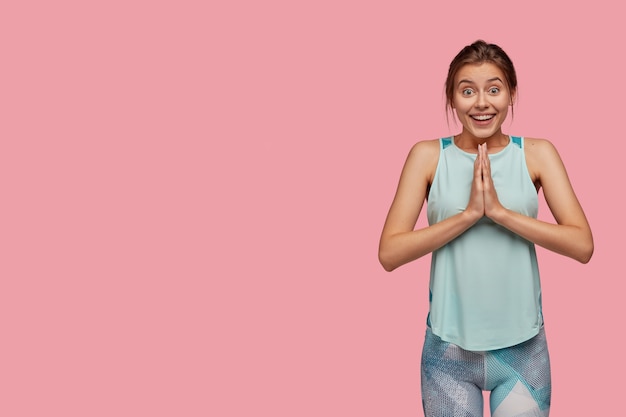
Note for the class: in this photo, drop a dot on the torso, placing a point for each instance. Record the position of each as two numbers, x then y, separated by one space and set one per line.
532 150
485 291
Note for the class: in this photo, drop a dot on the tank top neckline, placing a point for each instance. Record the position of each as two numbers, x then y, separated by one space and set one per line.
507 146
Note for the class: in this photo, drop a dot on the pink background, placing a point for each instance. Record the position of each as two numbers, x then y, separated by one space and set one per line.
192 195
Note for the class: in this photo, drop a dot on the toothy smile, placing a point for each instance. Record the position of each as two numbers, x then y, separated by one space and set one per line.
482 117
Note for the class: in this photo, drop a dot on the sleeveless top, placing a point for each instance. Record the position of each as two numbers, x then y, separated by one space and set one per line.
485 291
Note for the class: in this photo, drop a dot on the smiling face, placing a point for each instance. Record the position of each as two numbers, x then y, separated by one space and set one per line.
481 99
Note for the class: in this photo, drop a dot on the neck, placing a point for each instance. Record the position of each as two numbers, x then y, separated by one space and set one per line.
466 140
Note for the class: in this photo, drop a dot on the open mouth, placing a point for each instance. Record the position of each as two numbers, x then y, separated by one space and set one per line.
483 117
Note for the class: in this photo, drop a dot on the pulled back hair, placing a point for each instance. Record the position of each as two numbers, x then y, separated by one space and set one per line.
477 53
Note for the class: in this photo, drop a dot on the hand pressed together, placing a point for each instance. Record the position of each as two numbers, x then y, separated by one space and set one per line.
483 199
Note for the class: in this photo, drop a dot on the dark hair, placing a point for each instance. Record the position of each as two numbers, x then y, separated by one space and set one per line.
477 53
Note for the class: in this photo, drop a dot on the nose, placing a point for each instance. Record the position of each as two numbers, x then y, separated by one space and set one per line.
481 101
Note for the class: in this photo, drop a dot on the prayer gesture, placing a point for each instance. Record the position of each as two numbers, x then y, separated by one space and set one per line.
483 197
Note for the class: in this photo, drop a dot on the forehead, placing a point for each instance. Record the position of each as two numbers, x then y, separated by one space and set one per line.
479 73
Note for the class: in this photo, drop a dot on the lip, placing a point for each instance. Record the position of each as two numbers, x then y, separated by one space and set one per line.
482 122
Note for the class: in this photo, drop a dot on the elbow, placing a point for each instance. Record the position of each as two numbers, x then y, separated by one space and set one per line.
388 267
583 251
586 254
386 261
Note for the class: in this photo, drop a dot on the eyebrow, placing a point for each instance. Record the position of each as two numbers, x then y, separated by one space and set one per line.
489 81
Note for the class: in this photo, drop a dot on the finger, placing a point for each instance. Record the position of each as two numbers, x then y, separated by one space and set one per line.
486 163
478 164
481 158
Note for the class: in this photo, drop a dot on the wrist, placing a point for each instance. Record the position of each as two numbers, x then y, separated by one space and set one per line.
498 215
472 216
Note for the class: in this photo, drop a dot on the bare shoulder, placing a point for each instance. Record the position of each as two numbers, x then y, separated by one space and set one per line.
425 152
541 157
540 150
538 144
426 146
424 156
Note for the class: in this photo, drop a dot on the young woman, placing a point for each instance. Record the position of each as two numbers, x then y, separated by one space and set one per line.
485 325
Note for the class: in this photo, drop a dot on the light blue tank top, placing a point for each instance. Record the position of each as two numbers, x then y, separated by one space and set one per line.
485 291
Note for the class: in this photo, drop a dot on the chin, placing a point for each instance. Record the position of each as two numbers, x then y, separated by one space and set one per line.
485 135
482 134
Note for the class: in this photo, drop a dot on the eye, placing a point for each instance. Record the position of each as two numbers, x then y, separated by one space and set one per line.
467 92
494 90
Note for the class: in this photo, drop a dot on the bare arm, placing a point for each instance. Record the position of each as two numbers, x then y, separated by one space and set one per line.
399 242
571 235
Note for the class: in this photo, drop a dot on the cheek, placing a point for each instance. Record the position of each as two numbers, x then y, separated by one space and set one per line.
459 105
507 101
505 107
461 116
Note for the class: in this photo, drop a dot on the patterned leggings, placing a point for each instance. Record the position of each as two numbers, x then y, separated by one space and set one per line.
518 378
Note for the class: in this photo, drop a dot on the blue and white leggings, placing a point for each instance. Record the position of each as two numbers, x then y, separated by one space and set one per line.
518 378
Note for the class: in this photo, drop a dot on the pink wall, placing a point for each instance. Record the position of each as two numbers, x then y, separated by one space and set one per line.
192 198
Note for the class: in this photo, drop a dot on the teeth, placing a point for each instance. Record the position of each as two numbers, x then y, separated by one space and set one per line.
484 117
